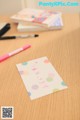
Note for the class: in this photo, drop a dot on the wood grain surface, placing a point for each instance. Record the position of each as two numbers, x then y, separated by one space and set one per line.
62 47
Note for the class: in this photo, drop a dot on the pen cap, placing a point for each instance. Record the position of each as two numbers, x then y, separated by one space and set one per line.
4 29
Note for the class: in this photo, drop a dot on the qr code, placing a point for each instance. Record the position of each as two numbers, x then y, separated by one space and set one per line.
7 112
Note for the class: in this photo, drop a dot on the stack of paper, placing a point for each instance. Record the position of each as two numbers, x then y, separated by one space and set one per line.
35 19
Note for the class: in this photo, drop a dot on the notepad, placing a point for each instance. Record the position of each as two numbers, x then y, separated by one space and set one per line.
37 17
40 77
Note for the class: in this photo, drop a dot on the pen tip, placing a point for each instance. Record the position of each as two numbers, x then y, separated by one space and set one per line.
36 35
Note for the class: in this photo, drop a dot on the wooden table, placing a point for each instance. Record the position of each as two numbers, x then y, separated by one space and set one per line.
62 47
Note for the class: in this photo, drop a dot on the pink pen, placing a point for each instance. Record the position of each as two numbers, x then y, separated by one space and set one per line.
6 56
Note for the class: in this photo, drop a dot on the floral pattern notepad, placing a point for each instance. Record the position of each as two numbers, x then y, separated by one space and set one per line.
37 17
40 77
